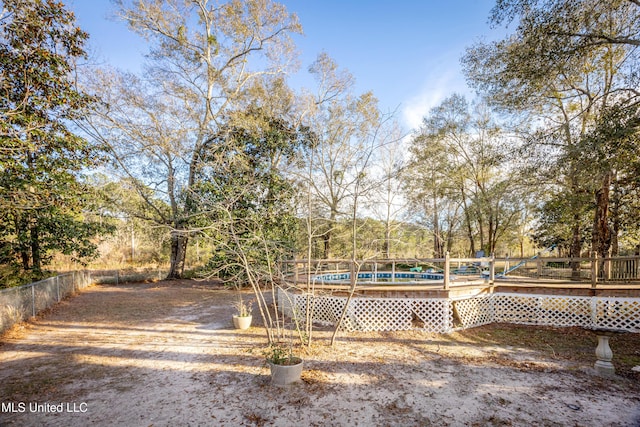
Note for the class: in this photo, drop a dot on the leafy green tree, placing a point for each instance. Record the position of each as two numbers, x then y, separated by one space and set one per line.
244 193
385 200
205 59
567 63
248 204
429 182
42 195
457 174
346 126
612 146
573 27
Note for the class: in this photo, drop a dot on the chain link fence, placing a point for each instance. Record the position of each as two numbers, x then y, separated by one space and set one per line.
22 302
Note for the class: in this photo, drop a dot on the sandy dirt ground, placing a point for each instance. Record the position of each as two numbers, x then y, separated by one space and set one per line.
166 354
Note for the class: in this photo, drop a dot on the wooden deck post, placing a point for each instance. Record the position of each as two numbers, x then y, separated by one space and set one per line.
492 269
594 269
447 265
352 274
608 267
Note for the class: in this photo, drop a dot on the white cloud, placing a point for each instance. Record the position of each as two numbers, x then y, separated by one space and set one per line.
417 107
439 83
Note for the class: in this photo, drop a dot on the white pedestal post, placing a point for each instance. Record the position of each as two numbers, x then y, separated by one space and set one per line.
604 354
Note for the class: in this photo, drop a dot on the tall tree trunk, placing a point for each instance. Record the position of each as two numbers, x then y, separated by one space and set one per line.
387 239
24 256
387 223
521 248
326 242
576 241
437 239
601 240
481 231
576 246
327 235
467 217
491 234
450 235
21 233
35 248
179 240
615 216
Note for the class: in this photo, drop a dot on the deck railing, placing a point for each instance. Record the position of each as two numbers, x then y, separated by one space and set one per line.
593 270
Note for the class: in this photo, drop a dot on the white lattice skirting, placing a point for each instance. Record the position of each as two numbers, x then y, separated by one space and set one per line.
443 315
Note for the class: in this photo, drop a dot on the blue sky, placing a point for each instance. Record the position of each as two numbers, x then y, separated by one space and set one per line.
406 51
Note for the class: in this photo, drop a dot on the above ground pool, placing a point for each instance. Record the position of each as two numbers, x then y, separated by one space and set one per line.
382 277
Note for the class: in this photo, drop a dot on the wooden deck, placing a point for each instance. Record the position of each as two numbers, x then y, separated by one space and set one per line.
472 286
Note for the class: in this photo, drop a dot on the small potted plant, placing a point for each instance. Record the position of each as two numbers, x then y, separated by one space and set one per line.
242 318
284 366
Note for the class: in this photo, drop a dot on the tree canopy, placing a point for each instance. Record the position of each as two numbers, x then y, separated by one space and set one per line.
567 66
205 59
42 194
210 144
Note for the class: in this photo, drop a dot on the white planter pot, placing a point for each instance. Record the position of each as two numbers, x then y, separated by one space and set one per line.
285 374
242 322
